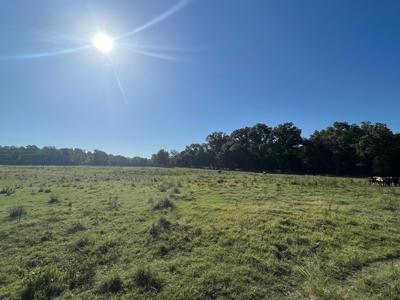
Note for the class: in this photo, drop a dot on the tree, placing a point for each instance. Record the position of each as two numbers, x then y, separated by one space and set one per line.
161 158
286 147
215 143
338 143
376 148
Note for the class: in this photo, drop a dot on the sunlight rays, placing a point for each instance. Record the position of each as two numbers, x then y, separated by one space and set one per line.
154 53
45 54
168 13
105 44
117 79
54 38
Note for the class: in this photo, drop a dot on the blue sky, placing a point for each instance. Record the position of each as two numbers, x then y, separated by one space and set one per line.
216 65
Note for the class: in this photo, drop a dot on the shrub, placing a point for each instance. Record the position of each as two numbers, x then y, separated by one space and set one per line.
164 204
43 283
147 280
16 212
112 283
54 200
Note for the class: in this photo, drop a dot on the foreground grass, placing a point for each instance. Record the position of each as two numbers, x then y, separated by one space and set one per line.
137 233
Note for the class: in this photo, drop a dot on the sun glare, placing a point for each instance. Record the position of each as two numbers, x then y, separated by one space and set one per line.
103 42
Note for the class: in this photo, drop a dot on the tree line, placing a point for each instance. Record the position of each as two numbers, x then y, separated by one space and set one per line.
33 155
341 149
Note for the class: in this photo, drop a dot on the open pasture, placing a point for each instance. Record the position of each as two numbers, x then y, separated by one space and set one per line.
149 233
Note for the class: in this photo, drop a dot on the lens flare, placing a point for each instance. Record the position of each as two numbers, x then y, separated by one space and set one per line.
103 42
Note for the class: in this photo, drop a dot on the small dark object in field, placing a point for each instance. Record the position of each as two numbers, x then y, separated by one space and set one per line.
147 280
16 212
7 191
112 284
54 200
164 204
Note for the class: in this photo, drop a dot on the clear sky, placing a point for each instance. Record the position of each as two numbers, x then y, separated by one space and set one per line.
209 65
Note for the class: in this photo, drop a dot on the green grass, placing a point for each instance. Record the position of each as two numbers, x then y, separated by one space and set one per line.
147 233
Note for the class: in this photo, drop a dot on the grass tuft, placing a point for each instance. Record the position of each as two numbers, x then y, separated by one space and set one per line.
164 204
16 212
147 280
54 200
112 283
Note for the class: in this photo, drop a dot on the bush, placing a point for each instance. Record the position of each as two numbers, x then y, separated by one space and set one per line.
147 280
43 283
16 212
111 284
164 204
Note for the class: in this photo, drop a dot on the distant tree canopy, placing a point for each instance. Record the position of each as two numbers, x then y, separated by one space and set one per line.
341 149
32 155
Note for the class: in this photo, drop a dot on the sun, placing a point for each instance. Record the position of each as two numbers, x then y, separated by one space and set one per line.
103 42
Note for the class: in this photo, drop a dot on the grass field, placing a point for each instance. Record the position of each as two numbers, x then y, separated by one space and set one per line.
147 233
